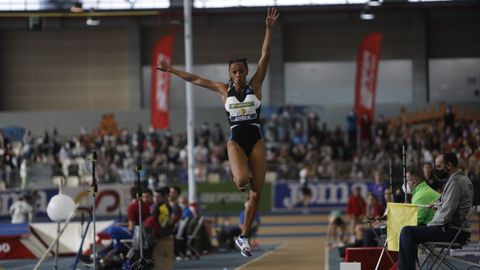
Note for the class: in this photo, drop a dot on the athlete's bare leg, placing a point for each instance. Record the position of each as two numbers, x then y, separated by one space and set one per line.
238 164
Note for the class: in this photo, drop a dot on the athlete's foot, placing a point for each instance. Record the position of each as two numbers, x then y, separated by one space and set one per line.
244 246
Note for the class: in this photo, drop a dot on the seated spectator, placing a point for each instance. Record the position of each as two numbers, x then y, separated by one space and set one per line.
147 198
374 208
422 194
228 233
358 241
176 213
452 208
186 212
160 214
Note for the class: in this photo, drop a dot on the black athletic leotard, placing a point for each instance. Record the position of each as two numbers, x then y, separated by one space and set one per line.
243 112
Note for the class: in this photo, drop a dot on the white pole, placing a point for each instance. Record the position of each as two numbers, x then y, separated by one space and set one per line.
192 189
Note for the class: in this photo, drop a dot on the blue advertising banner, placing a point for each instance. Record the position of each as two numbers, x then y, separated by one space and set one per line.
287 195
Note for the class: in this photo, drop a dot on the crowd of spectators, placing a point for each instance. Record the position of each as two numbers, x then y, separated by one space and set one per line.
296 139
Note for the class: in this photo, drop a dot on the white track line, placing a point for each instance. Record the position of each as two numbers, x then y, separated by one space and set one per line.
261 257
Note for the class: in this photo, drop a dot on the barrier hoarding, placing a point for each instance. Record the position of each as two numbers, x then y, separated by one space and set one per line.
287 195
225 197
113 200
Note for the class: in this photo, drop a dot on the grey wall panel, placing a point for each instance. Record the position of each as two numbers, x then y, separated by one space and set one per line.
455 80
340 40
333 83
454 36
211 43
64 69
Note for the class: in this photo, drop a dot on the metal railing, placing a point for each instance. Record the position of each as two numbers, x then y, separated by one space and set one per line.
39 176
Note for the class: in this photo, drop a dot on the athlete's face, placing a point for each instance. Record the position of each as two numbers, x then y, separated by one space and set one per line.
238 73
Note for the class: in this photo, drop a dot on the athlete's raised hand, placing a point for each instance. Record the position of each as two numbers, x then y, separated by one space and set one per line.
272 16
163 66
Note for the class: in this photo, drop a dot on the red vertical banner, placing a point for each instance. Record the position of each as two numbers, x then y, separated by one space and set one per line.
160 98
366 80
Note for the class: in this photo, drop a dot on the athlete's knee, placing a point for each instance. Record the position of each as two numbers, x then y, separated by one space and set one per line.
241 182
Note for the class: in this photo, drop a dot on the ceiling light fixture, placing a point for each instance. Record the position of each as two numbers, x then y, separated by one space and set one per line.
366 13
374 3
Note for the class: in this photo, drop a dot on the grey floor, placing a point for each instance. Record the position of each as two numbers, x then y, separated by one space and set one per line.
220 260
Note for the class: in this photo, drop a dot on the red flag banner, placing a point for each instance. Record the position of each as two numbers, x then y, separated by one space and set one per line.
161 84
366 80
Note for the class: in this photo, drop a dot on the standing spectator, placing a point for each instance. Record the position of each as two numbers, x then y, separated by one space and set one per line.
449 118
352 129
23 173
378 187
218 136
381 127
356 208
313 130
22 210
365 129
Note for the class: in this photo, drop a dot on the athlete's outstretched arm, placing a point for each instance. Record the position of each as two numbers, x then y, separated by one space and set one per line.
257 79
193 78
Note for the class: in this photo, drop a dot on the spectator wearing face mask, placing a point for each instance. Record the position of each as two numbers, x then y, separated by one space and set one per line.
422 194
452 208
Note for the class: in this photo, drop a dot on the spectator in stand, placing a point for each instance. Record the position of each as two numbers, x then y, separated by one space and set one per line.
430 178
186 212
119 231
313 130
352 129
377 188
166 151
162 209
356 208
133 213
449 118
147 198
374 208
365 129
377 227
381 127
176 213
